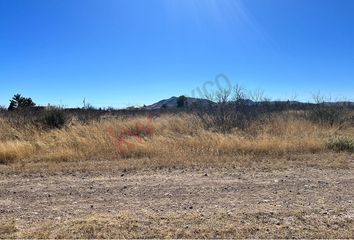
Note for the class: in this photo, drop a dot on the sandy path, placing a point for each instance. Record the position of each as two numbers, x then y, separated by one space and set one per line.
33 198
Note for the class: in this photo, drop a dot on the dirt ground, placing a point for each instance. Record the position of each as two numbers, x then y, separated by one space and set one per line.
208 203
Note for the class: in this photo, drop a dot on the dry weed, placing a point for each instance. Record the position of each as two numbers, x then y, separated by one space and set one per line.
168 137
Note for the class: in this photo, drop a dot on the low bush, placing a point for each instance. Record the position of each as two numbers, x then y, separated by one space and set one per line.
328 115
55 118
225 117
341 144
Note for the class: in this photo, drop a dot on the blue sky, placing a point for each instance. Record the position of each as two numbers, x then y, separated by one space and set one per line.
126 52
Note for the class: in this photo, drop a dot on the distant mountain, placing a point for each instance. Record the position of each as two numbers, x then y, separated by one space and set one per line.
342 103
172 103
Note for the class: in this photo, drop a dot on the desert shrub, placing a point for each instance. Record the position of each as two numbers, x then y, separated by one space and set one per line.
234 108
19 118
227 116
85 116
329 115
327 112
55 118
341 144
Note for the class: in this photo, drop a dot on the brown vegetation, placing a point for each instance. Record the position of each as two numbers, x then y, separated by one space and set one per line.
166 140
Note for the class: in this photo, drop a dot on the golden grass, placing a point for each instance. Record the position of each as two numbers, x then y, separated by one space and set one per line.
166 137
15 150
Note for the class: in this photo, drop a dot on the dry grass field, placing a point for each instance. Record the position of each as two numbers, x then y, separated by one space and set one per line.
169 176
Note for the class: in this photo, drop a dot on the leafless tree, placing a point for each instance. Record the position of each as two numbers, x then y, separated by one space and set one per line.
239 94
327 112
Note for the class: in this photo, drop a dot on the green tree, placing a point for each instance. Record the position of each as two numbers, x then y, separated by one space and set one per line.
18 101
182 101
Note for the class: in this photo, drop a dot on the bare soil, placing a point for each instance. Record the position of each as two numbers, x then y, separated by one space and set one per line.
209 203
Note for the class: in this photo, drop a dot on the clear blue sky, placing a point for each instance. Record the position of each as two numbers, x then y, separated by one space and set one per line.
125 52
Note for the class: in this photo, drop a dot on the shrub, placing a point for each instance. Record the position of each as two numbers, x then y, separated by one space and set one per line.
55 118
326 112
226 116
329 115
341 144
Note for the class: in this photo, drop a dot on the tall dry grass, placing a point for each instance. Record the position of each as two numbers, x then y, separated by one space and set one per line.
165 138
